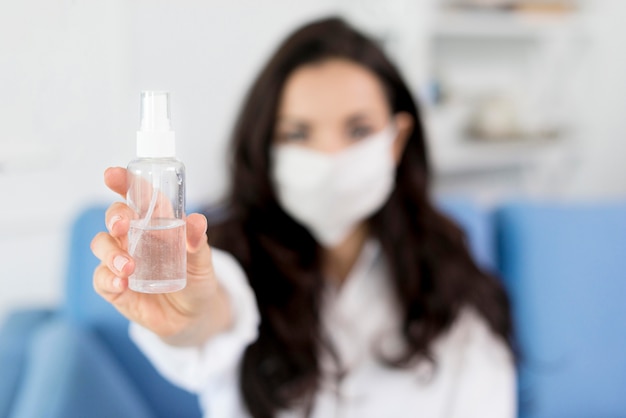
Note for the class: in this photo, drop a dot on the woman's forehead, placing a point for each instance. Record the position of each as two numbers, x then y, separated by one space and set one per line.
332 87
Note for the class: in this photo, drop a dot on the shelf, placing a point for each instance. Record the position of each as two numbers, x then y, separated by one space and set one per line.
476 156
454 24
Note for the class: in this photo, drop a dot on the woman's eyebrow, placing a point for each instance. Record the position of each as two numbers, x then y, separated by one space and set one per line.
292 121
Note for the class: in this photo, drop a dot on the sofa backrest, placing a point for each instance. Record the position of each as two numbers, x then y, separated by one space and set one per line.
477 223
565 265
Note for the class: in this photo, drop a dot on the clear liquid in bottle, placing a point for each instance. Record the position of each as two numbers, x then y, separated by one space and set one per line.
160 240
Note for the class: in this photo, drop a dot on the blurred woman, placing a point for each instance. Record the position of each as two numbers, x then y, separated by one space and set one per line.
333 287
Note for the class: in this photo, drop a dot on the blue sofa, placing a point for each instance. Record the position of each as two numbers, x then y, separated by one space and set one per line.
564 266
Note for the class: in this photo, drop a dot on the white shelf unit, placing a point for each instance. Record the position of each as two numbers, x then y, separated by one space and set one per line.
525 61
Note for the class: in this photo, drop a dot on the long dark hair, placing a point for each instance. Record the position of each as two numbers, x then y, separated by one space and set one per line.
432 273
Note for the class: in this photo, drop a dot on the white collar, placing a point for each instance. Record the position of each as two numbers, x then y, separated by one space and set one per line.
365 261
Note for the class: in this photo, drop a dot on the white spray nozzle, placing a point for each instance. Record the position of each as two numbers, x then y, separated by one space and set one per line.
155 138
155 111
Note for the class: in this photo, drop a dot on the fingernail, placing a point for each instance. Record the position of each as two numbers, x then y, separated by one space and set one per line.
117 283
119 262
113 221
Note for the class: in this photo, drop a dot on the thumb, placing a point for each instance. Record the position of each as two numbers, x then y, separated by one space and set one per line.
199 261
196 232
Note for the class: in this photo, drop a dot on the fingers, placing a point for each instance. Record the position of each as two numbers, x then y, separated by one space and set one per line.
116 180
110 279
107 284
107 249
118 218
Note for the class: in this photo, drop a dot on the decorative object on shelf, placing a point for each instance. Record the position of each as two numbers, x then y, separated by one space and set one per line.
496 118
500 117
482 3
529 6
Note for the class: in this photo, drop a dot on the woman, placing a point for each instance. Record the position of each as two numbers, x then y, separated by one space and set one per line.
338 289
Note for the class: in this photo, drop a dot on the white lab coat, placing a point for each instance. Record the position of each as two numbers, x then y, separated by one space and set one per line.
474 376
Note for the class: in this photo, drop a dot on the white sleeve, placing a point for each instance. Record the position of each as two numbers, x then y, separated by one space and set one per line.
196 368
486 383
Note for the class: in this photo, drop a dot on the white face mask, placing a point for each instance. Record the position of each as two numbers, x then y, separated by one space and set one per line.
330 194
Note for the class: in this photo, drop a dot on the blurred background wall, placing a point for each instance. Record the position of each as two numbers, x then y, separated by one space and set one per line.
519 101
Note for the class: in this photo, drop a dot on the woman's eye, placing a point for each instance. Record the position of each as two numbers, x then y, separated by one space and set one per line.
360 132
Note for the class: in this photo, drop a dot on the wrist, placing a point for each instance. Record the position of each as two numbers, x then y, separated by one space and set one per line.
215 319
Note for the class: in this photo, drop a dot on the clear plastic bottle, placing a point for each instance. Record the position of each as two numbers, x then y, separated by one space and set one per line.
156 192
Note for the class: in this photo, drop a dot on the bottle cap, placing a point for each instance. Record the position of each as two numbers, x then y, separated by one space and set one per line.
155 138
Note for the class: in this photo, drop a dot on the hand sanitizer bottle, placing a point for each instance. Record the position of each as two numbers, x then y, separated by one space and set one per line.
156 192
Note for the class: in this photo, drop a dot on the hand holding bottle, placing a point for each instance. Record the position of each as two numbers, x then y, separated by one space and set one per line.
187 317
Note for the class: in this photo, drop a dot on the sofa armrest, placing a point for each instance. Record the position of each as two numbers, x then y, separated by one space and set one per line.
69 373
16 334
